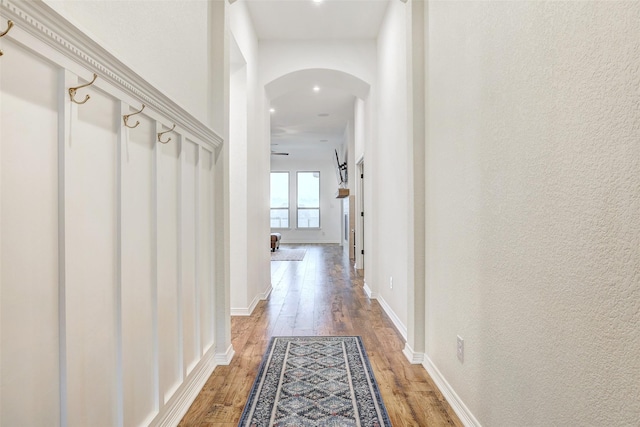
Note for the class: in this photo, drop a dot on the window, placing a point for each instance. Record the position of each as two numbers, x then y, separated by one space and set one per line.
308 199
279 199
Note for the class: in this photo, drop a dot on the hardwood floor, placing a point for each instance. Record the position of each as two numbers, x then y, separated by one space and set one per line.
320 295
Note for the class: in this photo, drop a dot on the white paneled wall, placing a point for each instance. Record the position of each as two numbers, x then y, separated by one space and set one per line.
88 197
29 239
107 248
169 258
205 250
190 330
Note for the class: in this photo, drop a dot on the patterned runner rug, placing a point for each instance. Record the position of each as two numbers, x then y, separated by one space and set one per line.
315 382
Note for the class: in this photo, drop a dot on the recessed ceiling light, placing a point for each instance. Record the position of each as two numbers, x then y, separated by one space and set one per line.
316 88
317 1
323 115
272 110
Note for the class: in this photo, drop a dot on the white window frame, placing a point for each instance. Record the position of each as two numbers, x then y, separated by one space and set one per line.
288 208
298 208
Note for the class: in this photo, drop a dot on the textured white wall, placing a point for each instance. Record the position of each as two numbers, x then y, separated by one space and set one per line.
533 198
163 41
388 170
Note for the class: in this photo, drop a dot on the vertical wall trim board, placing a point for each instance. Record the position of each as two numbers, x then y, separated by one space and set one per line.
212 283
64 108
122 135
179 258
154 268
198 280
181 169
465 415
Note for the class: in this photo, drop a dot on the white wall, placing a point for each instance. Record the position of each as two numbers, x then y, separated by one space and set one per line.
278 58
109 275
388 170
166 42
533 204
238 112
330 207
249 165
359 132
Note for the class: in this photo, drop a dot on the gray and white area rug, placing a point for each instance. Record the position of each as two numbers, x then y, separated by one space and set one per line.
315 382
288 255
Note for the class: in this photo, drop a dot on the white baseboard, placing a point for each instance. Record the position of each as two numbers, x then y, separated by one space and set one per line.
265 294
240 312
394 317
249 310
226 357
413 357
465 415
369 292
246 311
186 393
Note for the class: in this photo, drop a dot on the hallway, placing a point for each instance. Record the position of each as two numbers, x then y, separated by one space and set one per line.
320 296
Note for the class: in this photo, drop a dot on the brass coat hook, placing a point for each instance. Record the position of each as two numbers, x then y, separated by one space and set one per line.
72 91
162 133
4 33
9 27
126 118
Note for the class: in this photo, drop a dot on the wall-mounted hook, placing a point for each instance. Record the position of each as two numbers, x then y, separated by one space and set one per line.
162 133
126 118
9 27
4 33
72 91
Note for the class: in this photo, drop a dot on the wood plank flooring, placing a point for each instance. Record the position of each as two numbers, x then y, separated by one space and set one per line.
321 295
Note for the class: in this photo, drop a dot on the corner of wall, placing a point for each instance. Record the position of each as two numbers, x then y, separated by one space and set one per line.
249 310
415 358
224 358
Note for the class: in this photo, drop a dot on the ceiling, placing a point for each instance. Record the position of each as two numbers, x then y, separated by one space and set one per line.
305 120
310 20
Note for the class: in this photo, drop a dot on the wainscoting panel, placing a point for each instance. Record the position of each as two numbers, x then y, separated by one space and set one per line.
206 262
190 306
91 262
138 274
28 239
107 243
169 296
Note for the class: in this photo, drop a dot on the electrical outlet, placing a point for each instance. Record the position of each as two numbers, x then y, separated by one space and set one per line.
391 282
460 348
